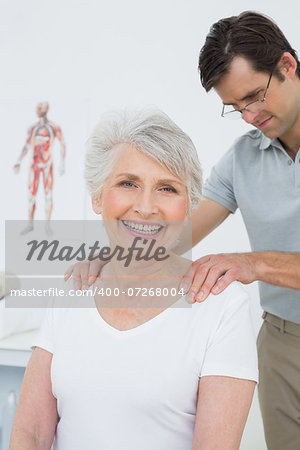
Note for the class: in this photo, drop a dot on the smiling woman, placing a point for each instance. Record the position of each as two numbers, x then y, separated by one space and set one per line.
141 369
141 198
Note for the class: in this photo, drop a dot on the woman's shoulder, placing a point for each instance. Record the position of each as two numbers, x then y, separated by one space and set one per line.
67 304
232 299
234 292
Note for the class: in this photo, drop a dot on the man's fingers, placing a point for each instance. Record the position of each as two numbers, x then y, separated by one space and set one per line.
204 259
68 273
95 268
84 273
80 275
83 276
187 279
197 282
223 282
92 279
204 290
213 273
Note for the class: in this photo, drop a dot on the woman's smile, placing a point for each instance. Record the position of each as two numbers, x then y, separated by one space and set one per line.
143 229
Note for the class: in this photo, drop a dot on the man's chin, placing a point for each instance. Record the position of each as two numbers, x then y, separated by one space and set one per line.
270 133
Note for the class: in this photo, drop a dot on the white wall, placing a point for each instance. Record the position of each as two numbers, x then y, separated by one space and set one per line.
87 56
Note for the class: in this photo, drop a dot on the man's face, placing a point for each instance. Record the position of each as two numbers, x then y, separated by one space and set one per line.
243 85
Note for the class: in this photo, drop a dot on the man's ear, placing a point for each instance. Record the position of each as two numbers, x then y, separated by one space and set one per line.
97 205
287 65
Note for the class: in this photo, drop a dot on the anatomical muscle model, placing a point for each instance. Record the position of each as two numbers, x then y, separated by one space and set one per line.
40 140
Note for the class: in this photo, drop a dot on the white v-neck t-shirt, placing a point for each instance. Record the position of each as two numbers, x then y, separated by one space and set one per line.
137 389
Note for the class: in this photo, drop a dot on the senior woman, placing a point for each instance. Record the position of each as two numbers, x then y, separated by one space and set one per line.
138 373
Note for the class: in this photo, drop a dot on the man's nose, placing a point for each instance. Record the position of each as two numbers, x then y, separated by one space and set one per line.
249 116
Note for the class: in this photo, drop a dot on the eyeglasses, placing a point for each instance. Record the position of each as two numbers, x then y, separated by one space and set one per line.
254 107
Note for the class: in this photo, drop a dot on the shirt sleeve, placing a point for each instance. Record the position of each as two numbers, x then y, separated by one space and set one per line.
231 349
219 185
45 336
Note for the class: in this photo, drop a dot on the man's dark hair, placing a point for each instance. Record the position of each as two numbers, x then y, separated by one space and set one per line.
250 35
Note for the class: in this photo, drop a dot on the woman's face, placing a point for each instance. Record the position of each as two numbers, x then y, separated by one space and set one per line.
142 199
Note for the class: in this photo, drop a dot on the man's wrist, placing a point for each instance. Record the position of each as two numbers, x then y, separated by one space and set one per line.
262 266
257 264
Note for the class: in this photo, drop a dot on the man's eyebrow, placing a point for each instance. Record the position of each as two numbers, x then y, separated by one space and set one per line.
248 95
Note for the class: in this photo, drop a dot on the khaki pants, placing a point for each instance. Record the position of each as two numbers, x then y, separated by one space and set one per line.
279 382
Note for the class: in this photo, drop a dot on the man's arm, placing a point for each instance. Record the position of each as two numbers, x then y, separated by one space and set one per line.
208 216
277 268
273 267
222 410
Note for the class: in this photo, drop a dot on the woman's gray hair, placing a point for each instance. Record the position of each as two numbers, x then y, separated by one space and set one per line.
153 133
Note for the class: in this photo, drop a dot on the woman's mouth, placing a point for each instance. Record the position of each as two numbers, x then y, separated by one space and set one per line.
142 229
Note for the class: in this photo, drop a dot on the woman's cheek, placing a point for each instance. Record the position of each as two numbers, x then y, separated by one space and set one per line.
178 209
113 204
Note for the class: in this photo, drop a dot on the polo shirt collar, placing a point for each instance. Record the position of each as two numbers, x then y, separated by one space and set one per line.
266 142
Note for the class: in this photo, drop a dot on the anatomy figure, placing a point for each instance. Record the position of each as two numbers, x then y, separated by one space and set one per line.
40 139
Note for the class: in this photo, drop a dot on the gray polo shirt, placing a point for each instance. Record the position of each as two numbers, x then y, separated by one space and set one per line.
257 176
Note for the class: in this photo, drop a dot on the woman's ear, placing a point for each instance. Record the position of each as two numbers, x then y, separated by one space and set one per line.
97 205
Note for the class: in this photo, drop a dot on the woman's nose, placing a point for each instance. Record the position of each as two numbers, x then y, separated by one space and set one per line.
146 204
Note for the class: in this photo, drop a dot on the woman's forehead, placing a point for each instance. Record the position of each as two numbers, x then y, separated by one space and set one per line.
131 160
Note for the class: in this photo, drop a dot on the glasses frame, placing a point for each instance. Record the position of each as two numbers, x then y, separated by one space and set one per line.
224 114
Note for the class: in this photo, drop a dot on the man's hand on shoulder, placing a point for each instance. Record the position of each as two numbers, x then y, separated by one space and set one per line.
213 273
84 273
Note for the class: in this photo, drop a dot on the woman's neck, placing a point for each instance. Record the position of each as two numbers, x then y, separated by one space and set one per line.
141 285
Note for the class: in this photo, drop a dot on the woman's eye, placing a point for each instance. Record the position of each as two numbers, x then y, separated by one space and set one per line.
168 189
127 184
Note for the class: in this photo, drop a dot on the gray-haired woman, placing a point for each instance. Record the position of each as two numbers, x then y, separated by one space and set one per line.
141 372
